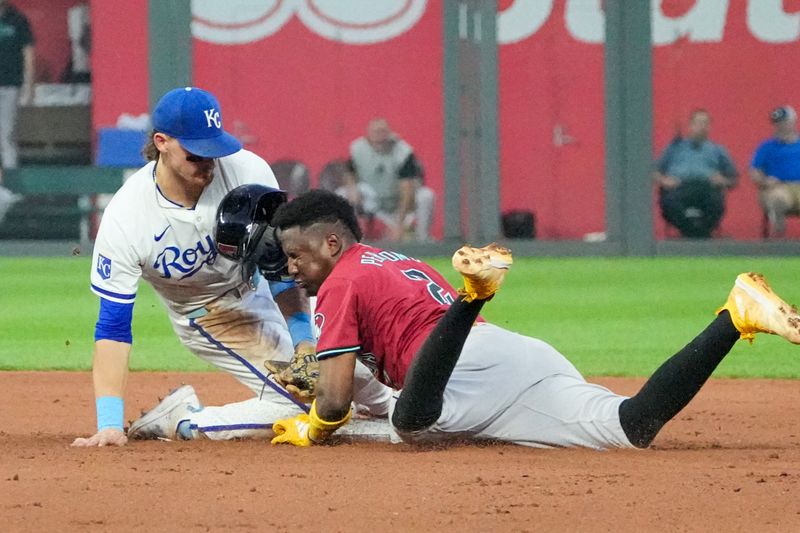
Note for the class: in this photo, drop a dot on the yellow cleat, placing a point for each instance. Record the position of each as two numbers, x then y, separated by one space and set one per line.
755 308
483 270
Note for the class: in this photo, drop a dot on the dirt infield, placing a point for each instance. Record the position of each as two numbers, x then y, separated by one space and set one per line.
730 462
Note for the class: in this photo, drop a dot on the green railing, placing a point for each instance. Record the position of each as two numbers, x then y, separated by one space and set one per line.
77 186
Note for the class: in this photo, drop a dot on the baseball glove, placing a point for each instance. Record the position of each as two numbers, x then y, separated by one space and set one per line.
298 376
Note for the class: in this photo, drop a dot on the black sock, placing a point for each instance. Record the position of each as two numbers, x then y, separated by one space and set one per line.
676 382
420 402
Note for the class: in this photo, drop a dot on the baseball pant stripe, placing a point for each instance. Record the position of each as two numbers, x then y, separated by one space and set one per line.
231 427
268 382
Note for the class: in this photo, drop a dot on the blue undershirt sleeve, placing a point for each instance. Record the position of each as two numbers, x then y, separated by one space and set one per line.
277 287
114 322
299 324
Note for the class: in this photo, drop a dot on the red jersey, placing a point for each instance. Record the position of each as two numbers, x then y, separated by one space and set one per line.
381 305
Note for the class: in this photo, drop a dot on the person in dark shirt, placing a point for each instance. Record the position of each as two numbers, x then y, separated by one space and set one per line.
16 75
16 87
693 175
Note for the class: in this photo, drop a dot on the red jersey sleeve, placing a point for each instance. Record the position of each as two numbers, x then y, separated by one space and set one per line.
336 319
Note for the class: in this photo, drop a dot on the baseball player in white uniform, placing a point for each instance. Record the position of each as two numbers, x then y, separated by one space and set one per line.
159 227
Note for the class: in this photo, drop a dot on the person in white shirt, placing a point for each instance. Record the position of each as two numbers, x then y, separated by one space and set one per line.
387 165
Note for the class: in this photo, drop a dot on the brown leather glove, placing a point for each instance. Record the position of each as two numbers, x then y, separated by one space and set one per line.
298 376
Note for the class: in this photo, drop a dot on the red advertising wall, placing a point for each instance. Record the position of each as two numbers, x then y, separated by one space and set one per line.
301 79
120 79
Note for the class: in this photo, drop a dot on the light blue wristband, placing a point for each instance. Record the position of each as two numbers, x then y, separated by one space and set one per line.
110 412
300 328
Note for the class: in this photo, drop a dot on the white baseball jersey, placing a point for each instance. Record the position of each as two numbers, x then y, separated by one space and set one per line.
145 235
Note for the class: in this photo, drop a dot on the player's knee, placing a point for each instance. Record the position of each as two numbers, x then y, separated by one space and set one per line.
409 418
639 428
411 423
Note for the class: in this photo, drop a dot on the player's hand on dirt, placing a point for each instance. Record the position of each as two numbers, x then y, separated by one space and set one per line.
292 431
300 375
105 437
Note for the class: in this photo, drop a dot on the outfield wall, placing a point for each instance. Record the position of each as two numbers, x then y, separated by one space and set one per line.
300 79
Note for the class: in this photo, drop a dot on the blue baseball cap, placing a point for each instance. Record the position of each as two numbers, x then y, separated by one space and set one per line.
193 117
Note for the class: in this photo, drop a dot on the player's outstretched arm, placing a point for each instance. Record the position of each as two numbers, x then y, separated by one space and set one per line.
110 374
294 305
335 386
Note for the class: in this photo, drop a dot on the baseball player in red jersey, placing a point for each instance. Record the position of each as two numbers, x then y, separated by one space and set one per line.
399 299
459 377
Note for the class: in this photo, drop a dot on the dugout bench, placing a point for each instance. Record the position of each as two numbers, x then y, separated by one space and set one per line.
79 184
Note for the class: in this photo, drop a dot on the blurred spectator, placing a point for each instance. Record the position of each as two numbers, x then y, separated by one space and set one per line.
331 177
693 175
387 164
776 171
7 200
339 176
361 195
80 37
16 86
16 76
292 175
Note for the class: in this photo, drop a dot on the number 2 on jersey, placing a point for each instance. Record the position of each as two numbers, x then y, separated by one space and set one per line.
436 291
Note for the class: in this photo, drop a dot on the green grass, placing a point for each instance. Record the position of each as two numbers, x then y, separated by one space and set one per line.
617 316
48 315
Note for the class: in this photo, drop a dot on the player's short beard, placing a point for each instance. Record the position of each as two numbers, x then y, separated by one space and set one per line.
205 171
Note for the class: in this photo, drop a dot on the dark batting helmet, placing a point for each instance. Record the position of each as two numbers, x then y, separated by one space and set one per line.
243 231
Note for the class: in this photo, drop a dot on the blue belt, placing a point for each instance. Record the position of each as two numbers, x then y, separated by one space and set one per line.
197 313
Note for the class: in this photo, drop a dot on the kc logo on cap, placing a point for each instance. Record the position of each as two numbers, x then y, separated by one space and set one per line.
212 115
193 117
